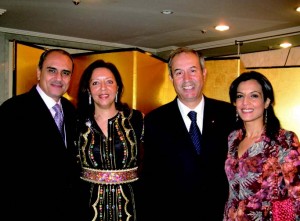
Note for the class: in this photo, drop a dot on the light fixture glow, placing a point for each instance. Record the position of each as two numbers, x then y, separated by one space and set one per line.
298 9
285 45
167 12
222 27
2 11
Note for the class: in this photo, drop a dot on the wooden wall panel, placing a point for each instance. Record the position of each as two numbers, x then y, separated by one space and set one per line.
27 58
220 74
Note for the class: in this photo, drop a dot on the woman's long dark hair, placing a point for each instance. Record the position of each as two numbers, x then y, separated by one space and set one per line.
86 109
272 123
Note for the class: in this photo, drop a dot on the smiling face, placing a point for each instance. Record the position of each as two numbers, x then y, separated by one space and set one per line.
103 88
250 103
188 78
55 75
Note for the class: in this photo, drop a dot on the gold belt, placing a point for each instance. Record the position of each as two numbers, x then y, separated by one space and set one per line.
109 176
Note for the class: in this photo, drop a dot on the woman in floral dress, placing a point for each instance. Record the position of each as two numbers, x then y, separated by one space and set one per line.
110 138
263 162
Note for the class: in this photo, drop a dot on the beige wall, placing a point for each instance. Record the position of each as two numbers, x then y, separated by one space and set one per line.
287 57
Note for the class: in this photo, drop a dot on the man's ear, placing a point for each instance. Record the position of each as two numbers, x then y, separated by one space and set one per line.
204 72
38 74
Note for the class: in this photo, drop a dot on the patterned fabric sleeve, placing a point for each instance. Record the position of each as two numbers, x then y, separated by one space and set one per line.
289 159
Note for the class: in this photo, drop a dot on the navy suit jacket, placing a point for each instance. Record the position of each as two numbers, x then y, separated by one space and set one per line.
38 169
184 185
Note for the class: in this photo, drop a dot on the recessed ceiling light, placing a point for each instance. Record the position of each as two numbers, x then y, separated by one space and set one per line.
167 12
285 45
2 11
222 27
298 9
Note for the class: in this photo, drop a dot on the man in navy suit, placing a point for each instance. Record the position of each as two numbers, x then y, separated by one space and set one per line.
39 167
177 183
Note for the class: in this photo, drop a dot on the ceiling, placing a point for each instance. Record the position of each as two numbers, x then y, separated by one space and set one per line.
256 25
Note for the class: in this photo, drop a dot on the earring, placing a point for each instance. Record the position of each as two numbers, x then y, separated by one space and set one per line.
90 99
266 116
236 117
116 98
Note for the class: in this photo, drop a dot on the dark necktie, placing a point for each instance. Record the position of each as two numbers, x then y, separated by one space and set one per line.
195 131
59 120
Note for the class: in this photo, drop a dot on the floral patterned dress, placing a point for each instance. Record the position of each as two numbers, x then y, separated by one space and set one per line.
109 166
267 170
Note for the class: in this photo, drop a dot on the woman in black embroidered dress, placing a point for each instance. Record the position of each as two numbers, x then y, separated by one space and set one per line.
110 138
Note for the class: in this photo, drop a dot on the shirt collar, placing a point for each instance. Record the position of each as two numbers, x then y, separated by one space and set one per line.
48 100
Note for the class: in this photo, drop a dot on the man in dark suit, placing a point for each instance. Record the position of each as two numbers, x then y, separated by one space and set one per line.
177 183
39 167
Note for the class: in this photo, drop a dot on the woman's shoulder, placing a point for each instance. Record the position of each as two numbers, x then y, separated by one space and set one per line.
132 113
234 136
288 139
236 133
138 112
287 134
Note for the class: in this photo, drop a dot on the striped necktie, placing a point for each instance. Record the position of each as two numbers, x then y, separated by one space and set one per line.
59 119
195 131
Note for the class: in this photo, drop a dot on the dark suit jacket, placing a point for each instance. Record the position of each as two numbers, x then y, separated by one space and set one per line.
38 171
177 184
